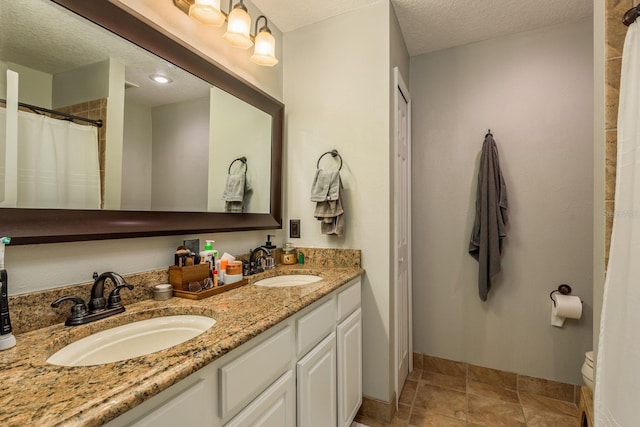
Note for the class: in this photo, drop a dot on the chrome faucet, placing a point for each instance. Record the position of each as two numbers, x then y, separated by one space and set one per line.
99 308
254 265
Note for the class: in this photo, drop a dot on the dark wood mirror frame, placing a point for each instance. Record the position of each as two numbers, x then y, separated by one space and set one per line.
30 226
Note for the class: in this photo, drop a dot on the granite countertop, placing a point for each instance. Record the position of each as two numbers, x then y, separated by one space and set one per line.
36 393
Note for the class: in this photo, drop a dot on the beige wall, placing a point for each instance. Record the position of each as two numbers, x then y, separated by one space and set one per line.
187 123
81 84
534 90
237 130
336 91
34 87
136 152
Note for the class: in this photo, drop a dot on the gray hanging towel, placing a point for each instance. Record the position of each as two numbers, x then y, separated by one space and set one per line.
489 228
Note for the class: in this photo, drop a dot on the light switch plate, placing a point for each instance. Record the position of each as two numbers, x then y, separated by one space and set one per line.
294 228
193 245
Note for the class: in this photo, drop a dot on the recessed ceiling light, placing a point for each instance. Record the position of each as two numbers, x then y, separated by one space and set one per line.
159 78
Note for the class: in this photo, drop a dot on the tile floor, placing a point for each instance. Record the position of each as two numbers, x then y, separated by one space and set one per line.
432 398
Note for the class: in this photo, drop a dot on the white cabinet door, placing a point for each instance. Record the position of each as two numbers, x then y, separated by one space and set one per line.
276 407
317 385
349 337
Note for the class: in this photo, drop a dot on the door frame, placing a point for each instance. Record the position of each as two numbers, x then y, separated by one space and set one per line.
400 89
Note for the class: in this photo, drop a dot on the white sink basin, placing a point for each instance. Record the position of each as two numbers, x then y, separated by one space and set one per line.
288 280
131 340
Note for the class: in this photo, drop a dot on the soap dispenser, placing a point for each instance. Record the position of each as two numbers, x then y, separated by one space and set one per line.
268 244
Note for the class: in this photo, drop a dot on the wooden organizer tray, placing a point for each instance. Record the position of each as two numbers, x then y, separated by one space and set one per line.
180 277
208 292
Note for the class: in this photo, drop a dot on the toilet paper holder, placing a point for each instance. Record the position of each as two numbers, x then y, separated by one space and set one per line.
564 289
561 310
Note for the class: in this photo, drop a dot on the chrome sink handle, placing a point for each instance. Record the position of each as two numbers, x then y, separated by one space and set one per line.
78 310
114 300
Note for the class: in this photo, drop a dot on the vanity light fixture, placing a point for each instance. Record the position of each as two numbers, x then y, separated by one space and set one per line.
239 27
238 32
208 12
265 51
159 78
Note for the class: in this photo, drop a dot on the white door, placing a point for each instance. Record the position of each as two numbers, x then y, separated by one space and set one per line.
349 337
402 204
317 398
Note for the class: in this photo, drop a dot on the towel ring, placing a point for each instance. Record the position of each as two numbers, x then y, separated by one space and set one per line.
242 159
334 153
488 133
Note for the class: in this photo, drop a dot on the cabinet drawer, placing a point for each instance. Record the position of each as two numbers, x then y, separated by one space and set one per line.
247 376
349 300
315 325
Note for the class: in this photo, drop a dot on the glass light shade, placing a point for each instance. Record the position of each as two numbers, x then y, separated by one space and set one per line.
238 28
264 52
208 12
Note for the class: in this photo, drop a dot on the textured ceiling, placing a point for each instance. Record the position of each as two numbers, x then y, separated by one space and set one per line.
429 25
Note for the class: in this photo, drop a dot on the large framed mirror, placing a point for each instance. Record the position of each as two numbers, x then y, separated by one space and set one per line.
167 155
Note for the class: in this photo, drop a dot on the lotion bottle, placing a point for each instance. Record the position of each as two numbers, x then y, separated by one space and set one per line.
208 254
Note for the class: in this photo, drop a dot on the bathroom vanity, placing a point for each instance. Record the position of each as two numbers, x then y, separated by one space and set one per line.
318 349
272 357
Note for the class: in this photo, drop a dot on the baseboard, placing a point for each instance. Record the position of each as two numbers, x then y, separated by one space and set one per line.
377 409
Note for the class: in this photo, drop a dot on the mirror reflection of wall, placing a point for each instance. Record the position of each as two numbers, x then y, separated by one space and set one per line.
239 130
155 146
166 151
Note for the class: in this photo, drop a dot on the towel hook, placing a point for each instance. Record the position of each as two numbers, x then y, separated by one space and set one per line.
242 159
334 153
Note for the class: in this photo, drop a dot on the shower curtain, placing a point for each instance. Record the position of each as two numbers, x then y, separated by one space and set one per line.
618 362
58 164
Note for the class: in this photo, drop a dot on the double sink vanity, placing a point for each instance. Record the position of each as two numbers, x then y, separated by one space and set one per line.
266 353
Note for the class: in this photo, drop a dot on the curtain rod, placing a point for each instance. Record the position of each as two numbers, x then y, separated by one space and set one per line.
96 123
631 15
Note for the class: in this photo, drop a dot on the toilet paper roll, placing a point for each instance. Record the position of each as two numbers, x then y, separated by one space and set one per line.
566 307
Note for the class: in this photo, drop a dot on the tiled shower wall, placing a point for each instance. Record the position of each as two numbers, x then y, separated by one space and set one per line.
615 32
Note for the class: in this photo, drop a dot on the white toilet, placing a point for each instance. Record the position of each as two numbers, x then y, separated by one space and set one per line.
587 370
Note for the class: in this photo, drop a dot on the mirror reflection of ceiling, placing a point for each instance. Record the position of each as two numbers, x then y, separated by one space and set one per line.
44 47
